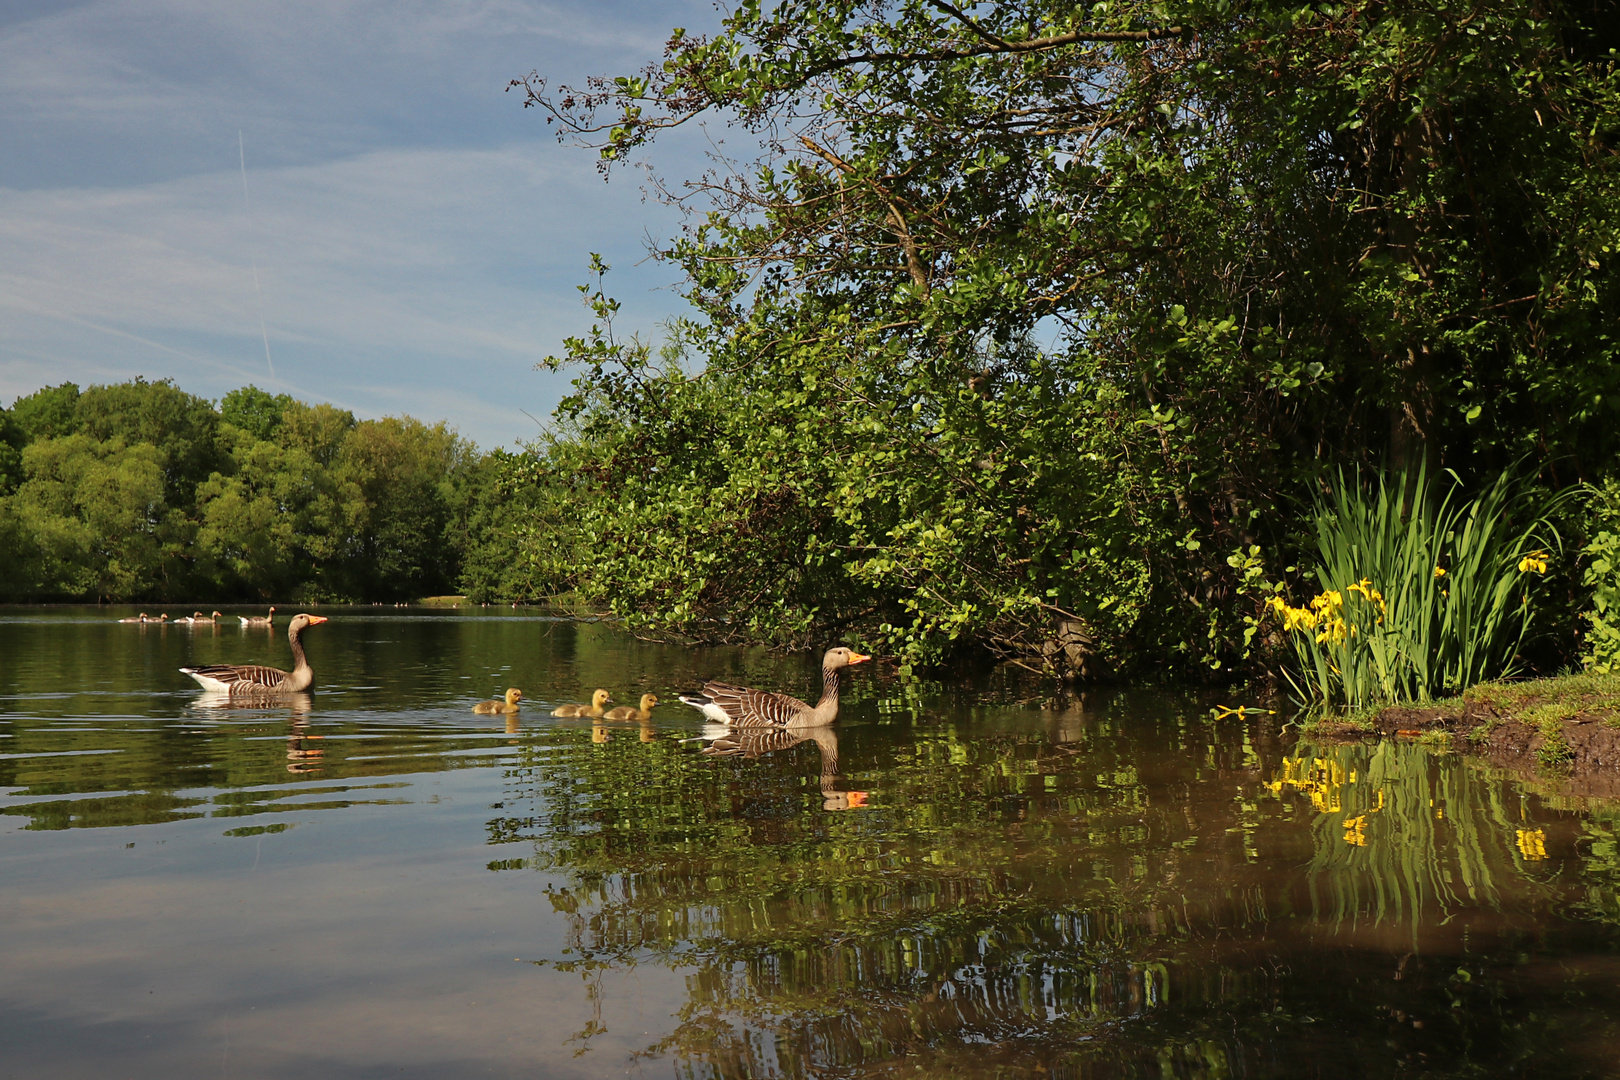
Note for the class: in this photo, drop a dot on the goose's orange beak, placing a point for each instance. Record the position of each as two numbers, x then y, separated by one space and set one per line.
857 658
316 620
858 799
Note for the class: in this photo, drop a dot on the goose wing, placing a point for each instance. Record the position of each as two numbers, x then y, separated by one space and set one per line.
236 678
747 707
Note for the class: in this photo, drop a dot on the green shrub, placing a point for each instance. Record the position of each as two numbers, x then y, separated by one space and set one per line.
1602 576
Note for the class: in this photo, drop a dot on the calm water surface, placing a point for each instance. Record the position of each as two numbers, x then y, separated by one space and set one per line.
957 881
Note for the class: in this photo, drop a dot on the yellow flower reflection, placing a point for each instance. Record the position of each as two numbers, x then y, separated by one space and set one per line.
1355 830
1320 778
1532 843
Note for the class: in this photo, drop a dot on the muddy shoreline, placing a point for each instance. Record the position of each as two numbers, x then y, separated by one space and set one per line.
1573 742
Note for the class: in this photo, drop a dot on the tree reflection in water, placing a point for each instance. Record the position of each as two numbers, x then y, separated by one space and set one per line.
1101 898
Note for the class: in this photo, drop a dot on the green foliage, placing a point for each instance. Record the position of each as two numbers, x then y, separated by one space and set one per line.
183 428
93 517
49 413
493 520
1043 311
397 476
148 492
1602 575
257 412
1422 595
12 440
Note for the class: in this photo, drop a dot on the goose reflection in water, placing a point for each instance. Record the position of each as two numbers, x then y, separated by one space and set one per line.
602 730
297 704
302 757
754 742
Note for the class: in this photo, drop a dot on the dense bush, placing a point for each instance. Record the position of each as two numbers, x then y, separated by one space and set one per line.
142 491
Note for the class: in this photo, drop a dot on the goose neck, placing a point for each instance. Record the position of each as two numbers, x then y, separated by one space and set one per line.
295 639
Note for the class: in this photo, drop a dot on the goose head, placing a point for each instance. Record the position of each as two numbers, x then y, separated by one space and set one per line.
842 657
302 622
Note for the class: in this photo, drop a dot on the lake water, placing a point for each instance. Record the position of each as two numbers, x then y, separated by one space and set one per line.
961 880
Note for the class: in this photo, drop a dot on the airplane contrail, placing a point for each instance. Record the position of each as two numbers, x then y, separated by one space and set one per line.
241 154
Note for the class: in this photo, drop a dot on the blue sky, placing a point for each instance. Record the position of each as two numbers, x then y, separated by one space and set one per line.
415 233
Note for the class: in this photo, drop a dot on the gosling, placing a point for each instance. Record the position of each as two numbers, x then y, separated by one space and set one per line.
499 705
625 712
598 699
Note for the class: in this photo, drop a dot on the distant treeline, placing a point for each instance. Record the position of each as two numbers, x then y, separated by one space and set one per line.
141 491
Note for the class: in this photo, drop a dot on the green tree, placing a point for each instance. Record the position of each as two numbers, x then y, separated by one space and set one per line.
318 430
493 524
255 411
12 440
182 427
397 476
47 413
259 521
1034 320
88 522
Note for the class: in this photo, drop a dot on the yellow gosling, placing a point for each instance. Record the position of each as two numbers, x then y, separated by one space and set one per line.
625 712
498 705
594 709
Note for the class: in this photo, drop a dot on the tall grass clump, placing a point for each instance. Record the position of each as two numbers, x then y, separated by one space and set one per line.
1423 593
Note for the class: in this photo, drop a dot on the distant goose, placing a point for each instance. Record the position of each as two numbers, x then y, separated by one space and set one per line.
598 699
509 704
741 706
142 617
625 712
248 680
259 620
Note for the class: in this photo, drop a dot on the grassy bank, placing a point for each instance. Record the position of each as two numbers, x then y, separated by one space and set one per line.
1562 722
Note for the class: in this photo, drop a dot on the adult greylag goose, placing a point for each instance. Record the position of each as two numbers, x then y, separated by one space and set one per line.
625 712
500 705
260 620
142 617
255 680
741 706
598 699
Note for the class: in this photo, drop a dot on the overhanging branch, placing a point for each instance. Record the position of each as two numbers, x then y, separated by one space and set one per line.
993 45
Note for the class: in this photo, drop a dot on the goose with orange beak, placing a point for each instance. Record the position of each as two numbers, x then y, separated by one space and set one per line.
742 706
257 680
